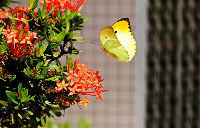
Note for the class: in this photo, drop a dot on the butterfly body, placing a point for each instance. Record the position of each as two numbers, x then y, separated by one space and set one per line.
118 41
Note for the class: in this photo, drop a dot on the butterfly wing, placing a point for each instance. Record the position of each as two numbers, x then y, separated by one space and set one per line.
123 33
112 46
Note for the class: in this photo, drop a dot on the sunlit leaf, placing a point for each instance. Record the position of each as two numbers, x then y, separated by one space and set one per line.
43 9
11 96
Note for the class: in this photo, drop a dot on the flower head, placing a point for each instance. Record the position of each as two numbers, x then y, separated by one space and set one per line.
84 81
3 14
20 13
84 101
20 45
81 81
63 5
60 86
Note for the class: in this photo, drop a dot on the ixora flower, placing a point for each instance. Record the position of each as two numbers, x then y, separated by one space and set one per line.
4 14
84 101
83 81
17 14
20 45
20 13
64 4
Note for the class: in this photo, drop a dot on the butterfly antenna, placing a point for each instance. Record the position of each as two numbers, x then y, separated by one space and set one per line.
94 42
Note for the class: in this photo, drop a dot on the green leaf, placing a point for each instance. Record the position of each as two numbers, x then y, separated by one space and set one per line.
52 33
20 116
39 64
52 105
55 78
30 113
25 96
12 116
40 13
67 27
4 103
70 15
51 11
31 61
54 45
60 37
58 63
39 77
24 20
58 13
20 88
13 78
43 73
43 9
16 107
85 19
2 49
70 59
46 62
76 51
33 4
78 38
11 96
27 117
53 67
26 72
38 119
42 49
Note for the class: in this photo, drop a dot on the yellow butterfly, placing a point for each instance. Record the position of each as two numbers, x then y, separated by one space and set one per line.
118 41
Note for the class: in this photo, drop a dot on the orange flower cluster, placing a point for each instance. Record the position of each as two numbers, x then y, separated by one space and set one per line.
81 80
63 5
19 12
3 14
20 46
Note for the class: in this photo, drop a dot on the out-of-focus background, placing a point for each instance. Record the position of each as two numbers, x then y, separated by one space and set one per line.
173 64
117 109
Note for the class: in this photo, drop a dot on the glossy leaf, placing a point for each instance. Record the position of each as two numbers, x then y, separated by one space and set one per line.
33 4
43 9
60 37
11 96
20 88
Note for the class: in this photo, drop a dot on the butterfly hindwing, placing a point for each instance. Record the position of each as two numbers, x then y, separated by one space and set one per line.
116 50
